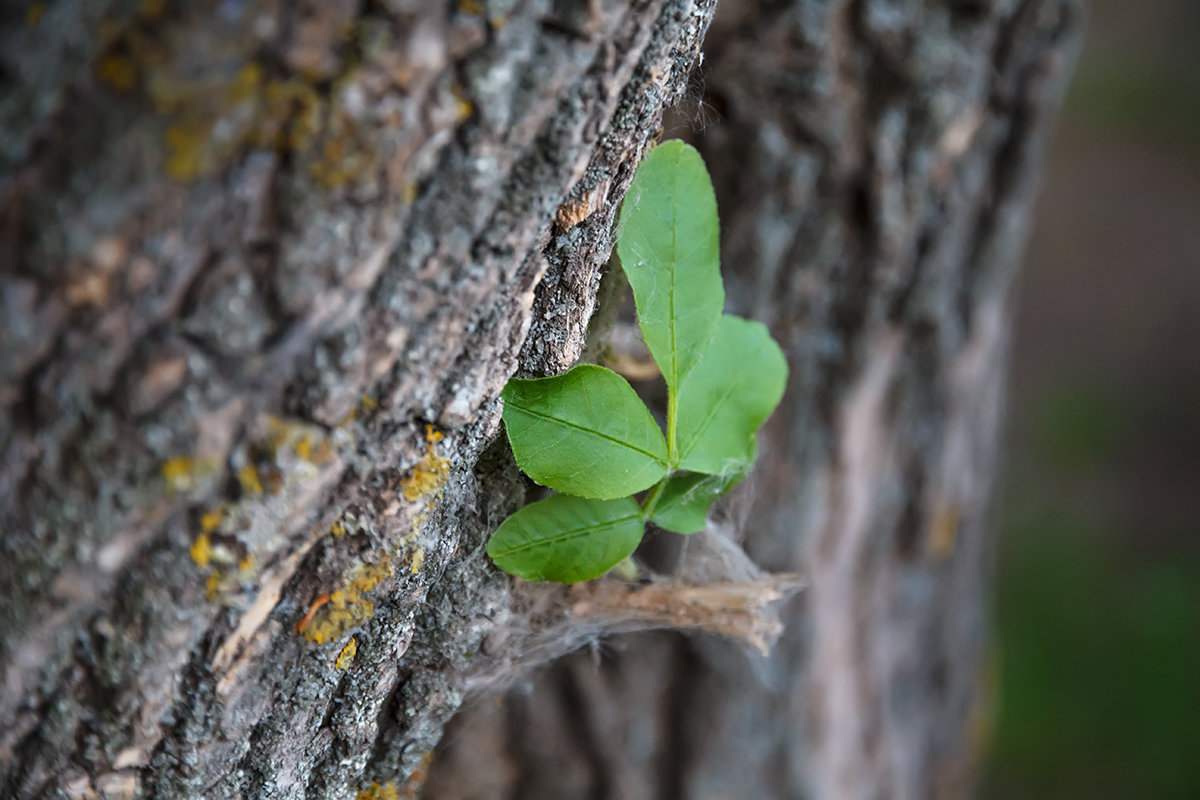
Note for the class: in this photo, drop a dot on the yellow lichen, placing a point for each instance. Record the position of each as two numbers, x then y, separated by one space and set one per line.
182 472
211 519
201 550
248 478
343 156
473 7
212 585
418 559
387 791
118 71
319 452
244 85
304 448
246 565
292 116
338 529
348 606
33 14
463 107
347 655
278 431
216 111
185 145
215 121
430 473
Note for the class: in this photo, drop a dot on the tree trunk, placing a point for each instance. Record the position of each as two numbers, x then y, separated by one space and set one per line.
875 167
265 270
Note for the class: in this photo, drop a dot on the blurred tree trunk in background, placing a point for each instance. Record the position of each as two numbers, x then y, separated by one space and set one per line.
264 271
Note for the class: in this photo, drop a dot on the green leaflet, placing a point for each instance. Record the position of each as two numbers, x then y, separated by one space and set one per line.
585 432
684 503
728 396
567 539
669 248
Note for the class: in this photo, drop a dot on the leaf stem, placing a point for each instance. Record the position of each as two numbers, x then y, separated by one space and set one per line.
653 498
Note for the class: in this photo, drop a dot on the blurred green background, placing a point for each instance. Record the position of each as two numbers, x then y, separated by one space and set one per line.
1097 652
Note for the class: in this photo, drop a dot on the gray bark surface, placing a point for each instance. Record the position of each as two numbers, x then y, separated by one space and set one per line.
264 271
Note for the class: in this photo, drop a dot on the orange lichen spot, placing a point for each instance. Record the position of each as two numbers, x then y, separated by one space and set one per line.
347 655
248 477
348 607
246 565
118 71
416 781
338 529
375 791
312 612
182 472
324 452
211 519
430 473
202 550
272 481
571 213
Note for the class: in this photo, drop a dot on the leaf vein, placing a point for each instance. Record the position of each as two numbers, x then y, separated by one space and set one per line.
592 431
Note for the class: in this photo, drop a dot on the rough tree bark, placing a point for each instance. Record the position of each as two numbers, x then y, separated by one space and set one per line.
265 270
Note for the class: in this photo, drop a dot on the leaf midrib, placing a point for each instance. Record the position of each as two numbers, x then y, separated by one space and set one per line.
563 536
592 431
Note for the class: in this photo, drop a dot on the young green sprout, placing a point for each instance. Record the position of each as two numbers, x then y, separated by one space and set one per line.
588 436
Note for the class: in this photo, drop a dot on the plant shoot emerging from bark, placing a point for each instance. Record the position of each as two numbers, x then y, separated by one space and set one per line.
588 436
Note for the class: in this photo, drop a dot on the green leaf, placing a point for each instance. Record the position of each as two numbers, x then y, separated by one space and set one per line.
669 249
729 395
585 432
567 539
684 503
